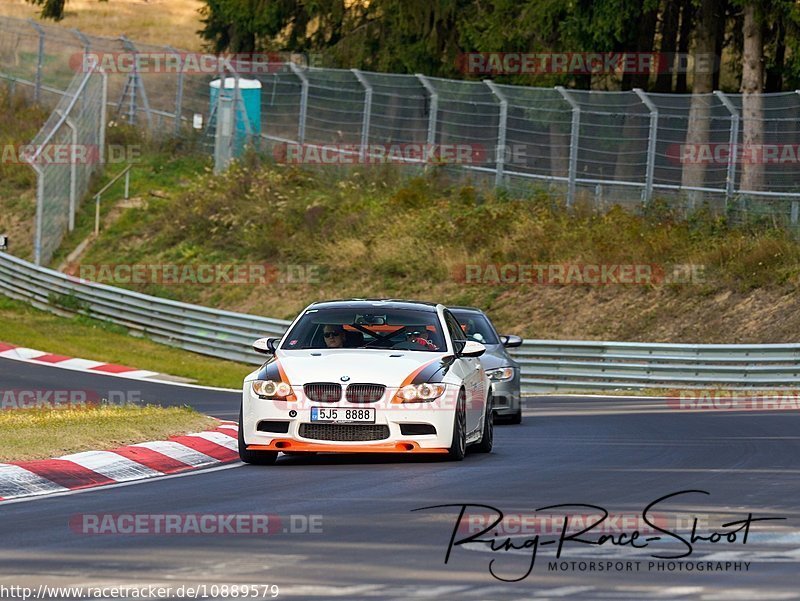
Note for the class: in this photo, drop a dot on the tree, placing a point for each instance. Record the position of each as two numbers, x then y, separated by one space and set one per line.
697 130
752 102
51 9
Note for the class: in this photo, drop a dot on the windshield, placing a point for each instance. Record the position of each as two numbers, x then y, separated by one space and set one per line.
368 328
476 327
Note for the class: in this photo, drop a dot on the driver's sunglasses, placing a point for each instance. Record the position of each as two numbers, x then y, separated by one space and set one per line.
332 334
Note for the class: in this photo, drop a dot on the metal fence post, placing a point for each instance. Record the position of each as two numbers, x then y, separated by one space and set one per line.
37 90
362 153
101 141
135 80
301 118
222 139
37 241
651 144
73 170
179 94
573 144
730 178
434 108
87 43
500 152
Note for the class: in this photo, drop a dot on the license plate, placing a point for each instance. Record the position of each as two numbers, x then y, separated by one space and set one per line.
341 415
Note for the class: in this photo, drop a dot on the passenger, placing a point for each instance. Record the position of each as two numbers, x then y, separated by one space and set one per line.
469 330
334 336
422 338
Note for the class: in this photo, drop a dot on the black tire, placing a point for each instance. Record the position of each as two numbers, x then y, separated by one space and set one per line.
253 457
458 448
487 436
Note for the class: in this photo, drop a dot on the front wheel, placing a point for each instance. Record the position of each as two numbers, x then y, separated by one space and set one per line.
458 448
253 457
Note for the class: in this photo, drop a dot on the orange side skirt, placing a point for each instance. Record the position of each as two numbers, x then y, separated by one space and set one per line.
287 444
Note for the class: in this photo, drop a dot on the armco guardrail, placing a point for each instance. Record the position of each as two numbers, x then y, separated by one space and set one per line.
203 330
557 365
547 365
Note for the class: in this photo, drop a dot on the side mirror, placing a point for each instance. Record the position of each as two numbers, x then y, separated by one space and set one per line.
472 349
266 346
511 341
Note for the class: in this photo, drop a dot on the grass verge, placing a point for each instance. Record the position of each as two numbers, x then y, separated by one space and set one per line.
43 433
91 339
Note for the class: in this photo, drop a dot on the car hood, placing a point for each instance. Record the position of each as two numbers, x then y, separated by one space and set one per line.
391 368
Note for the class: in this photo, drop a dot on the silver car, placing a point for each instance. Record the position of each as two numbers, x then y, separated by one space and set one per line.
503 371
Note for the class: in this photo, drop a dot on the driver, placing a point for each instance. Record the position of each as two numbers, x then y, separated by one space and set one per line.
334 336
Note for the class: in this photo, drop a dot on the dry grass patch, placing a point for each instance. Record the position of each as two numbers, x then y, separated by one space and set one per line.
43 433
158 22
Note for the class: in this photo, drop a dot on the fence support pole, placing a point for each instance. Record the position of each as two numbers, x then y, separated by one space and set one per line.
573 144
500 151
301 119
179 94
73 172
37 90
365 122
37 242
224 133
138 86
101 142
651 144
87 43
434 108
733 141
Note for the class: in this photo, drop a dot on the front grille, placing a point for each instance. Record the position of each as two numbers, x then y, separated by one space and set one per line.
323 392
344 432
364 393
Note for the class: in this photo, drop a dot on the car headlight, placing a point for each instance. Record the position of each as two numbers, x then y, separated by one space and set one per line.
271 389
500 374
418 393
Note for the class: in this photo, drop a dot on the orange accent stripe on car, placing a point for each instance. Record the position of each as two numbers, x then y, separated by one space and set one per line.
409 379
287 444
293 396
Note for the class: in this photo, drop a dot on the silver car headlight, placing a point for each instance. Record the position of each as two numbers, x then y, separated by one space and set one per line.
500 374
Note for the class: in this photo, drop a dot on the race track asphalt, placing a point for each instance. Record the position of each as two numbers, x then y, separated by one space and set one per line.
367 542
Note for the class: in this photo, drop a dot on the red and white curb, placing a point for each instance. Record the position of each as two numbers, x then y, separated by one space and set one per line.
21 353
134 462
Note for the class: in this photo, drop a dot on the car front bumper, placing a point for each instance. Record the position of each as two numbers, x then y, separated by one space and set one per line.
275 425
506 396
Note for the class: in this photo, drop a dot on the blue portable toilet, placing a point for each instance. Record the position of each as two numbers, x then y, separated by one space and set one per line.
248 112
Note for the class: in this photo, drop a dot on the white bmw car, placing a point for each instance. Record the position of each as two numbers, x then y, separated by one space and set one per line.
367 376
